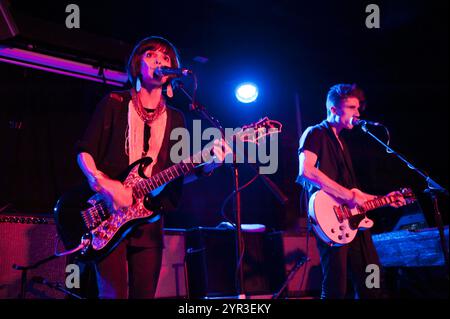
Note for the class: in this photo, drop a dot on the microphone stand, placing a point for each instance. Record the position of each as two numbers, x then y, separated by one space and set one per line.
276 191
23 280
300 262
56 286
201 110
24 269
433 189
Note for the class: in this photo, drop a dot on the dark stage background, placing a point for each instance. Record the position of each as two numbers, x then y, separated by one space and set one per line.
289 48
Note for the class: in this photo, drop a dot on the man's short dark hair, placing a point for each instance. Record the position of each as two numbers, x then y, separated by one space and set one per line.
340 92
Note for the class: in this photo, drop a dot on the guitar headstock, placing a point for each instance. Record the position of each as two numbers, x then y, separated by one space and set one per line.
408 195
256 131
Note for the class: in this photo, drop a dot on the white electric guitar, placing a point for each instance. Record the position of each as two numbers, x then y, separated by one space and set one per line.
337 224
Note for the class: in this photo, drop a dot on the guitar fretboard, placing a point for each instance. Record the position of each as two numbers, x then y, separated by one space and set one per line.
379 202
187 166
183 168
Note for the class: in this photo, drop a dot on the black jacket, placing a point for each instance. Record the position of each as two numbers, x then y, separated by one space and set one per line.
104 140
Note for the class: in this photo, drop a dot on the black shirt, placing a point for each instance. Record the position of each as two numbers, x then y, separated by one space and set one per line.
332 160
104 139
105 135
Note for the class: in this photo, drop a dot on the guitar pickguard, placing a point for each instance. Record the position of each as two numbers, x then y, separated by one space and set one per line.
109 228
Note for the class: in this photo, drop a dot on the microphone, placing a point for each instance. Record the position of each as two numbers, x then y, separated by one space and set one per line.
178 72
355 121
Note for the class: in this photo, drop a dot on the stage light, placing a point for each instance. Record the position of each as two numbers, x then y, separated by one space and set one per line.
247 92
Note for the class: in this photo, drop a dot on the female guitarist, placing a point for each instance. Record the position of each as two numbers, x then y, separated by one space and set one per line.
126 127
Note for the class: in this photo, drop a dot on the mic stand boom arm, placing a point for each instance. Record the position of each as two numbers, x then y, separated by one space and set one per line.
433 188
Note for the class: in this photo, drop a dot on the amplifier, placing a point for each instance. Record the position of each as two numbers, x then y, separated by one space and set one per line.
172 279
211 262
25 240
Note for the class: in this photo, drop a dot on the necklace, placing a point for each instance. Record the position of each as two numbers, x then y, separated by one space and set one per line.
147 117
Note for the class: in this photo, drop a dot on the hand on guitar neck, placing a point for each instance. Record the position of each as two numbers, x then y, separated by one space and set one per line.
359 198
400 200
215 155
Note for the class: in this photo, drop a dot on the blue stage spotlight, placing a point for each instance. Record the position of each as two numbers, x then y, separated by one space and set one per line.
247 92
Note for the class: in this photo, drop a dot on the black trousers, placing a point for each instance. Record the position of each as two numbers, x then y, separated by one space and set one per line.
344 264
129 272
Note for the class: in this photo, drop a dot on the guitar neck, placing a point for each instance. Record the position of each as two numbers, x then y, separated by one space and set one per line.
250 133
379 202
166 176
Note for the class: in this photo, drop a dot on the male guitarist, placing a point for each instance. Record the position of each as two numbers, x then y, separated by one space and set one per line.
325 163
126 127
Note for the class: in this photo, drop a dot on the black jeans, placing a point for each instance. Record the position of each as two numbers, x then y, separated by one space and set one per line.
129 272
348 263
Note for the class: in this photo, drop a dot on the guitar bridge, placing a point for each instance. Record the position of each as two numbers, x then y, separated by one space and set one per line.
91 219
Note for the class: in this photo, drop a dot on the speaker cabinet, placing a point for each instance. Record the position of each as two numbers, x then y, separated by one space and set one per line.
307 280
212 263
172 283
25 240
